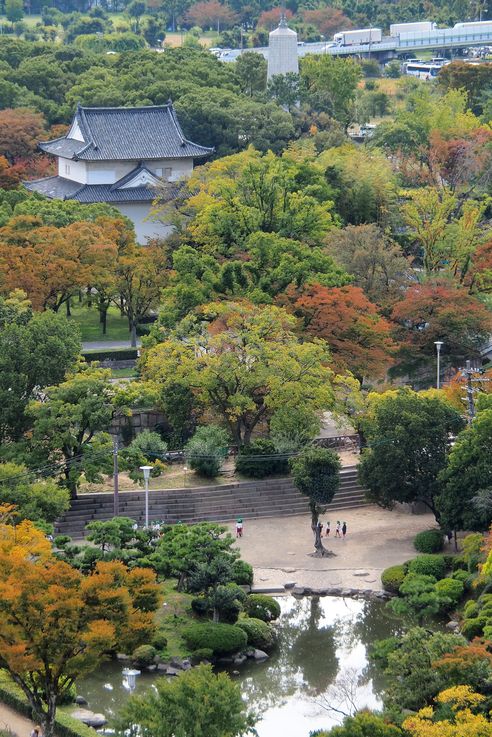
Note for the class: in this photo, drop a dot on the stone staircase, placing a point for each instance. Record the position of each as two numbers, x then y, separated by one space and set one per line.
271 498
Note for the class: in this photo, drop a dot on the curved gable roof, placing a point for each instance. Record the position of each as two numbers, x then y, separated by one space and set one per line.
118 133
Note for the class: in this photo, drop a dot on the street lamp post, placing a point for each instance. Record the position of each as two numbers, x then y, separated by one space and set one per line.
438 344
146 472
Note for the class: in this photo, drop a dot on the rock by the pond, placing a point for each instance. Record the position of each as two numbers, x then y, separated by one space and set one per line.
151 668
289 585
162 667
453 625
240 659
171 671
90 718
186 664
298 591
123 657
260 655
235 672
80 700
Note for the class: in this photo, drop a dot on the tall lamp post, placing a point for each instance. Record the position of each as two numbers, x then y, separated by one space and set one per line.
438 344
146 472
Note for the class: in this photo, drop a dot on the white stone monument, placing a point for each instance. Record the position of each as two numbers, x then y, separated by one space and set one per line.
282 50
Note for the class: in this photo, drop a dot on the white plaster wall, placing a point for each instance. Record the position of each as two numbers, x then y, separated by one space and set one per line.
180 167
108 172
78 171
145 229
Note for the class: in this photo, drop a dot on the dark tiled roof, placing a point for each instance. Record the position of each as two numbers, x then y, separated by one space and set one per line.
119 133
59 188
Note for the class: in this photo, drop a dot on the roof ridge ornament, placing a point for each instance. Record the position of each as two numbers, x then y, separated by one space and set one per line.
283 19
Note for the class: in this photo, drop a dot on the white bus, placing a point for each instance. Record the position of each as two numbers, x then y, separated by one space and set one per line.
422 69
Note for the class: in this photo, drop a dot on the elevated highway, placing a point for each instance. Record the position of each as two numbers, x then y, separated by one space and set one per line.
439 40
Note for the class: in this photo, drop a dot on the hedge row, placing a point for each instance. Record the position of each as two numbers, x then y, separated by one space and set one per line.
121 354
65 726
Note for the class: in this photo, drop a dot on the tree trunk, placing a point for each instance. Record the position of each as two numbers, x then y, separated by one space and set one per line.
319 549
215 617
134 335
89 296
104 319
122 306
69 314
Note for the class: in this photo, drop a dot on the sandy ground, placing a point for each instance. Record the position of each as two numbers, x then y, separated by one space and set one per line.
278 549
16 723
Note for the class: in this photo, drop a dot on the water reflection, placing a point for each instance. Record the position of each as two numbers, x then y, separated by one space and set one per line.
322 643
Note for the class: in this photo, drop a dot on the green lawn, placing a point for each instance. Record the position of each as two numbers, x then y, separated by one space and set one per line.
90 328
124 373
173 617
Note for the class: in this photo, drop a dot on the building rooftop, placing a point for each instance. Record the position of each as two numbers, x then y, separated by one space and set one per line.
119 133
59 188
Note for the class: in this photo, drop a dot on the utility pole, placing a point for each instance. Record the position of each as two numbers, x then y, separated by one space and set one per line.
116 498
472 376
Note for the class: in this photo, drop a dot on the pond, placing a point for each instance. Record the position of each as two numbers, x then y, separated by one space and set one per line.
321 660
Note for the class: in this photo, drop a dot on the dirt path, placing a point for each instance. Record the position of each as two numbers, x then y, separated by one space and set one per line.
14 722
279 548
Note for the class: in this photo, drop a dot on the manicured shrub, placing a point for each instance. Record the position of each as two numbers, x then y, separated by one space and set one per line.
428 565
159 641
463 577
459 563
144 655
260 459
207 450
450 589
200 605
260 634
242 573
392 578
429 541
203 653
222 639
470 609
260 606
473 627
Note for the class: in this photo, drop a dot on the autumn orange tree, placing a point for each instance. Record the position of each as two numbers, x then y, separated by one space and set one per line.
440 311
358 338
56 624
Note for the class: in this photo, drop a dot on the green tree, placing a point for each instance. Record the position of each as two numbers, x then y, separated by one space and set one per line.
330 84
196 698
37 500
14 10
135 10
206 451
316 473
183 548
251 70
248 365
467 473
35 351
285 89
364 724
411 681
408 437
69 426
116 533
146 448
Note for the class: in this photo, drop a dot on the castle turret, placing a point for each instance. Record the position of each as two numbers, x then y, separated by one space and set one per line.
282 50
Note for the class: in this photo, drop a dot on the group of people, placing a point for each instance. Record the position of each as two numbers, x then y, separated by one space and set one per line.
340 529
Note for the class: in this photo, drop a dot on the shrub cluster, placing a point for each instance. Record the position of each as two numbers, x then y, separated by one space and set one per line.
429 541
222 639
428 565
392 578
260 459
143 656
478 618
260 606
260 634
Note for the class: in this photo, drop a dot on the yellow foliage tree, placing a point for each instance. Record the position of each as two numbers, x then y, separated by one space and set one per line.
463 701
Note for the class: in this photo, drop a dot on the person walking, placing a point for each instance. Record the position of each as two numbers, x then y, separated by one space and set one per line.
239 527
344 529
337 529
327 533
36 732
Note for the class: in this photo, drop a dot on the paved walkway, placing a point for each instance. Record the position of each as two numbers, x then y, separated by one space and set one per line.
14 722
278 548
106 345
